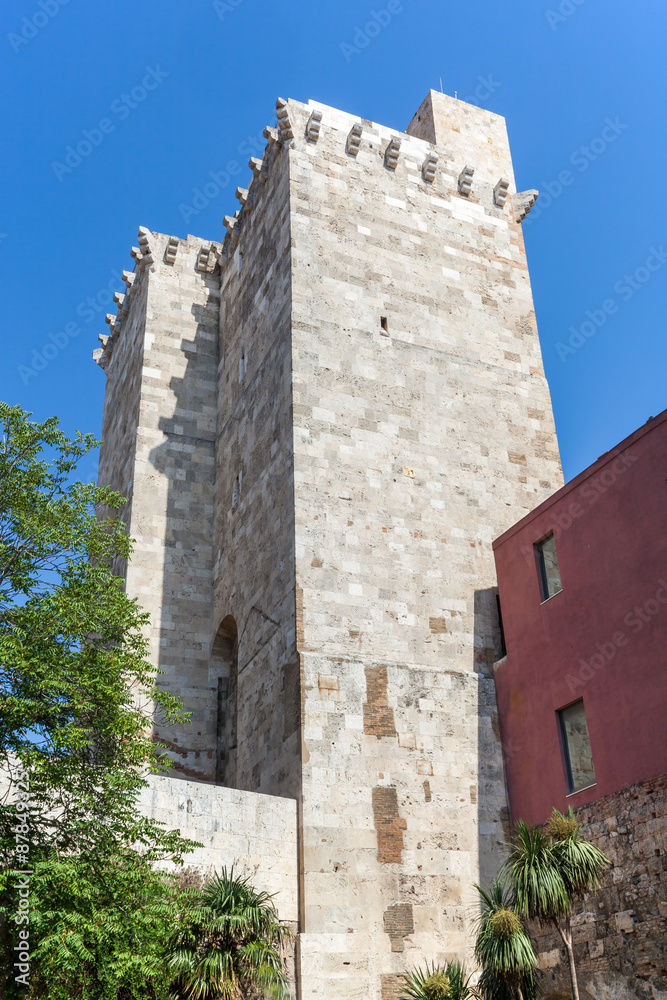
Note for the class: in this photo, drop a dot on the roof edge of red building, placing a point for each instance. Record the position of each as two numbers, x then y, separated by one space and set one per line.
651 424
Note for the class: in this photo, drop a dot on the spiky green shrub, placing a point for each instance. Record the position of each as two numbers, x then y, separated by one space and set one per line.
448 982
228 943
551 869
503 948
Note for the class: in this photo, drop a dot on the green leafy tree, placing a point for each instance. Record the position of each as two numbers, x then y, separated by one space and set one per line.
101 930
447 982
551 869
77 698
503 948
228 943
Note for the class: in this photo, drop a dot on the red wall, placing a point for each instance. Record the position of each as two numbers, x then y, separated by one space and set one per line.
610 526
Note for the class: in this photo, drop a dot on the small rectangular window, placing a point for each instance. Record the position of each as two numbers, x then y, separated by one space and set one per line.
547 565
579 770
384 325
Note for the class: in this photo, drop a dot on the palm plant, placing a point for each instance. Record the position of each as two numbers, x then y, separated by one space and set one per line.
228 943
448 982
551 869
503 948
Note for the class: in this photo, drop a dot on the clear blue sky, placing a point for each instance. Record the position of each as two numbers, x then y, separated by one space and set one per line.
208 73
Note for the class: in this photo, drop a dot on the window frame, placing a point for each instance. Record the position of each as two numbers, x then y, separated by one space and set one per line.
565 749
542 569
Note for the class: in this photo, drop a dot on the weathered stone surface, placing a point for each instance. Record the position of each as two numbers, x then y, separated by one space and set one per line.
256 834
158 449
620 934
402 464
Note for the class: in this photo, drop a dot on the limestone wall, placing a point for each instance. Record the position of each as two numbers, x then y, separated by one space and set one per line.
412 448
257 834
422 427
254 536
620 934
158 448
122 401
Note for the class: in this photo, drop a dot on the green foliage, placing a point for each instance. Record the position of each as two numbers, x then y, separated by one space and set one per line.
550 869
538 885
579 862
77 699
101 928
448 982
228 943
76 686
503 948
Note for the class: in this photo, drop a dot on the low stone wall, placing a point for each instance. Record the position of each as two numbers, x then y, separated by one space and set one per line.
255 833
620 934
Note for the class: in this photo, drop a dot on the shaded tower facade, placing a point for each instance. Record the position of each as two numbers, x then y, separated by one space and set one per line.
322 423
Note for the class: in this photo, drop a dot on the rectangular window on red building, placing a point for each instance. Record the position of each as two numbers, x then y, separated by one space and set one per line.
579 769
547 567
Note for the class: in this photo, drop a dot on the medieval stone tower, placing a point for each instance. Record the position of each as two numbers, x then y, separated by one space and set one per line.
321 424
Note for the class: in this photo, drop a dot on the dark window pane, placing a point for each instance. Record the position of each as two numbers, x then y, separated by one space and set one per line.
579 756
548 566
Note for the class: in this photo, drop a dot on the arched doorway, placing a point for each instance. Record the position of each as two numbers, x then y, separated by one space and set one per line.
224 671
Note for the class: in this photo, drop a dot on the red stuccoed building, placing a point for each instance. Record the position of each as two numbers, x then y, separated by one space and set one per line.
582 689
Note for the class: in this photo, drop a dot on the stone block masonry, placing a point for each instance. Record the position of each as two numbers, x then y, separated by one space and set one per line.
620 934
255 834
421 420
322 424
159 432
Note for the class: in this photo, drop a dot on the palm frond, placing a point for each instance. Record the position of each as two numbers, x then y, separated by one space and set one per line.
229 942
503 948
580 864
534 873
435 982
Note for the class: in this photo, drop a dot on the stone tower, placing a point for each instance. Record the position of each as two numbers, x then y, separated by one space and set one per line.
321 424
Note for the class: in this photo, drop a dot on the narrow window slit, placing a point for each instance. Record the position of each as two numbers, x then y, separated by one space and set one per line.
547 567
225 664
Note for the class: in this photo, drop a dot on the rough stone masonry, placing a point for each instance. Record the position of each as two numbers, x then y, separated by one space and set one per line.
620 933
321 424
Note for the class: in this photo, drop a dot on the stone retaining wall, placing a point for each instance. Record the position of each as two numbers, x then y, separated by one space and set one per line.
257 834
620 934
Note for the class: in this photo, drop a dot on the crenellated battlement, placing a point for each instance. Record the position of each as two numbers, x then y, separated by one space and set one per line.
431 144
155 251
423 147
300 126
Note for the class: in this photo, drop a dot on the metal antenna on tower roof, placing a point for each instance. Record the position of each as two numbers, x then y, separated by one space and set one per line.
441 90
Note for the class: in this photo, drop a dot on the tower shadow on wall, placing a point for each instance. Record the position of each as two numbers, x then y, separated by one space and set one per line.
492 807
187 460
226 650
